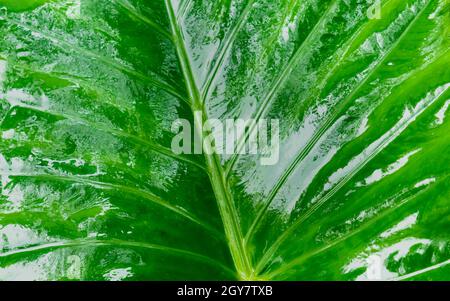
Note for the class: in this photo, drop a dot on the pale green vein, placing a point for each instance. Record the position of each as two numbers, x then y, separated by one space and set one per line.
318 134
69 47
422 271
366 225
342 52
121 188
275 36
224 49
117 243
78 82
278 83
186 6
118 133
134 13
383 143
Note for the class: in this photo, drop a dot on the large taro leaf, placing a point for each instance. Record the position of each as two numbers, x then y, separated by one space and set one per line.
90 188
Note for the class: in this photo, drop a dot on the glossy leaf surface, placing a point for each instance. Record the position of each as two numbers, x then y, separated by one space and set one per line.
90 188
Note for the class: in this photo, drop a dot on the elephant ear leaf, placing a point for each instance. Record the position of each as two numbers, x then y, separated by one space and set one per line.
355 185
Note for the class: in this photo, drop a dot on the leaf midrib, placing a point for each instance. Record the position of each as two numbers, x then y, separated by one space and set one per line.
216 173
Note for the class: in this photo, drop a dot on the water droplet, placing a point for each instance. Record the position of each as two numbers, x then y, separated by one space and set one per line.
3 12
22 5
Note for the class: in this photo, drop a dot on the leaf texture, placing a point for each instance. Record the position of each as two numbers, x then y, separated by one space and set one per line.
88 93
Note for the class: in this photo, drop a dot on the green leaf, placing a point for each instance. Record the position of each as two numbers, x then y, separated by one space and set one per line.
91 190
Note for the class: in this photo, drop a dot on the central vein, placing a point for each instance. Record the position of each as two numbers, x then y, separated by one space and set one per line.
216 173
